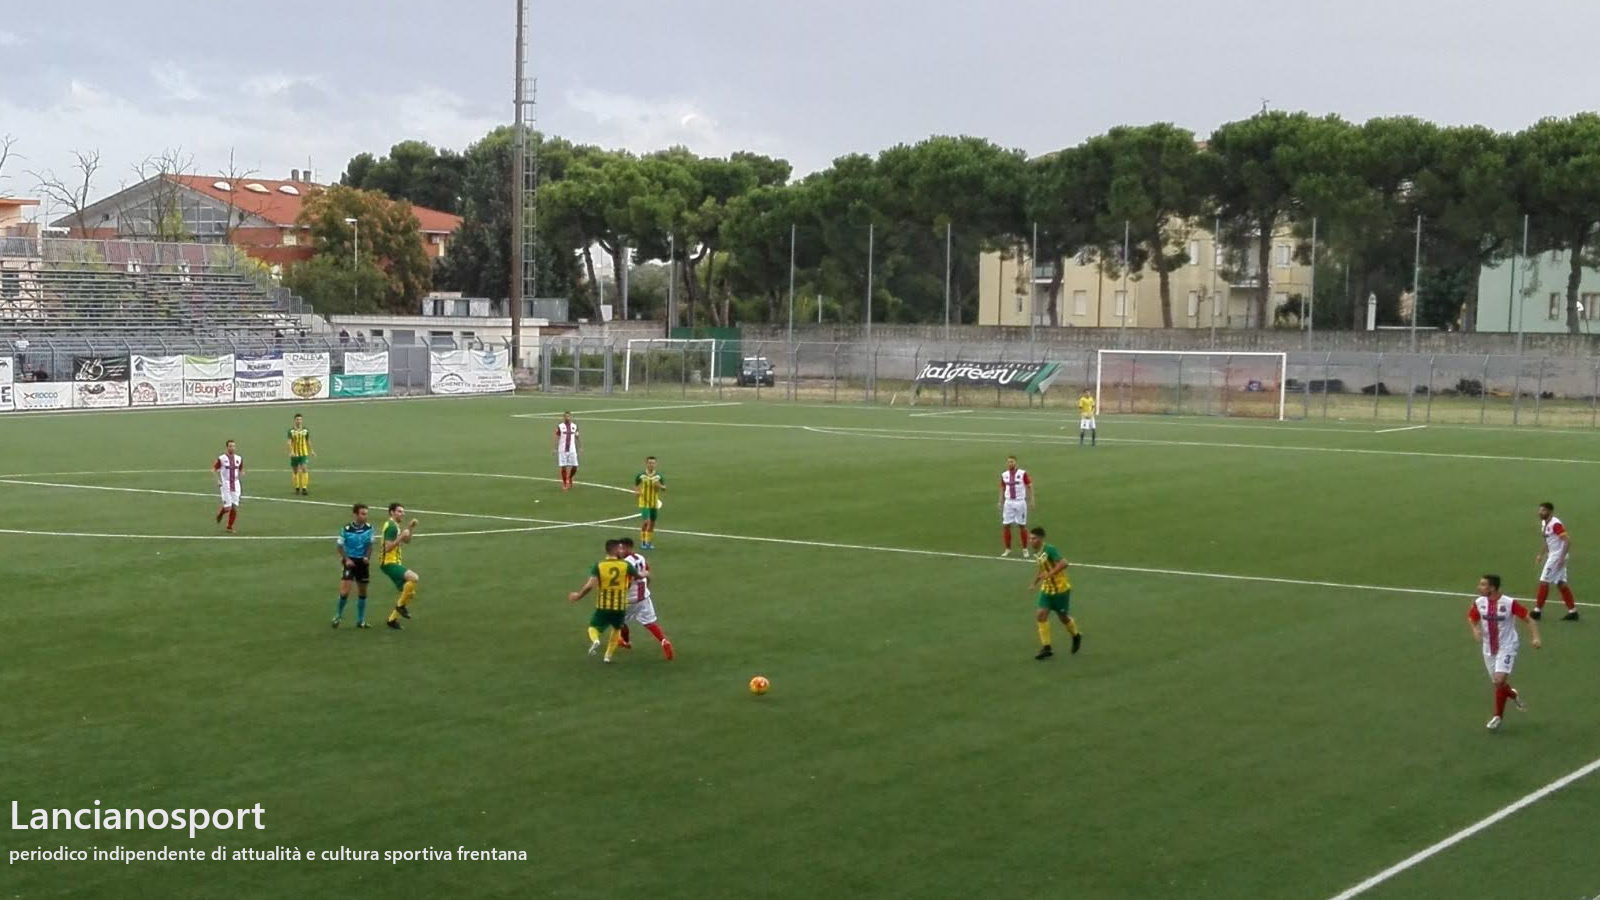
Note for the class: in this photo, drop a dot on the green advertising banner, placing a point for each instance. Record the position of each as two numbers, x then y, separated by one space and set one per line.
360 386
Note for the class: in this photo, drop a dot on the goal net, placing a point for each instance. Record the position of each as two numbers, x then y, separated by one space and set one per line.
1191 383
669 362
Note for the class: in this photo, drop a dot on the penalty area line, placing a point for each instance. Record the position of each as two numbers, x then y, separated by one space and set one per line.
1498 815
1404 428
301 537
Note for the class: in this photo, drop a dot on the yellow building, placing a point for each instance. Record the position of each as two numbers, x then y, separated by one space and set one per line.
1089 298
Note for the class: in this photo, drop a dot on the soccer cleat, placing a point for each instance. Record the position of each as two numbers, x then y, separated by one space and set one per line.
1077 640
362 625
1006 552
336 621
394 623
1494 724
405 611
605 659
1571 616
666 650
1044 652
1516 698
594 647
624 645
1536 614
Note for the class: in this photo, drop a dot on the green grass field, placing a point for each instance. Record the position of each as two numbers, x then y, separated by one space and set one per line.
1277 697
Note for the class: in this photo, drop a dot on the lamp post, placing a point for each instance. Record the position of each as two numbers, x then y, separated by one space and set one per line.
356 260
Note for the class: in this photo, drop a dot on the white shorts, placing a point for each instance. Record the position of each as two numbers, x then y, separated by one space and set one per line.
567 459
1553 574
641 612
230 496
1014 512
1086 424
1505 662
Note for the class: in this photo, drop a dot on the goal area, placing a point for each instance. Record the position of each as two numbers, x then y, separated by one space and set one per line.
669 362
1191 383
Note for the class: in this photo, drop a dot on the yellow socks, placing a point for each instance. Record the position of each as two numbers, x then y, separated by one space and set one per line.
612 642
1072 626
594 635
407 594
1044 633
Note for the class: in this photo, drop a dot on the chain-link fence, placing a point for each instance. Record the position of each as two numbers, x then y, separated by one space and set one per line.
1554 391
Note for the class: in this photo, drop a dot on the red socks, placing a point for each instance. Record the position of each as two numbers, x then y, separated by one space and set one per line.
625 638
1502 693
232 514
1005 535
1543 595
223 509
655 630
1566 597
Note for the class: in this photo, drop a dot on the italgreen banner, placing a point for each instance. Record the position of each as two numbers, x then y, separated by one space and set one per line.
1032 377
360 386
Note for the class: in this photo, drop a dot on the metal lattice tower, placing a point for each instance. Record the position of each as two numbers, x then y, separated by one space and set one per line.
524 280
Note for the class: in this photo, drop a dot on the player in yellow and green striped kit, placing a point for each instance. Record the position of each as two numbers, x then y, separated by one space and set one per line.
648 487
405 580
1055 593
300 451
613 576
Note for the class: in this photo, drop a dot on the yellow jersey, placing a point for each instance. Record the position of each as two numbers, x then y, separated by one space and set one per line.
1086 406
615 576
1049 557
391 532
299 442
650 485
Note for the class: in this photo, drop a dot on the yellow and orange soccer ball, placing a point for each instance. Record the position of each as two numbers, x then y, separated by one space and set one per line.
759 685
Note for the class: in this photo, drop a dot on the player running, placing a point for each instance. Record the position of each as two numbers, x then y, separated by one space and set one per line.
1554 557
1055 594
405 580
229 468
648 488
613 576
568 443
1016 499
299 451
355 554
1086 411
1493 618
641 605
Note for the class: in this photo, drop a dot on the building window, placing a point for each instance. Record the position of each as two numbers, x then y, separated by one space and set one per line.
1216 304
377 333
1080 303
1217 254
463 307
1194 253
438 307
1121 304
1280 300
1589 301
1194 304
1557 307
290 238
468 336
1283 255
441 338
1019 304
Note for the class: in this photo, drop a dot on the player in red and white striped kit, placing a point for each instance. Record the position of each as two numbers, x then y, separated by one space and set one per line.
1493 618
568 443
1554 558
641 605
1016 499
228 467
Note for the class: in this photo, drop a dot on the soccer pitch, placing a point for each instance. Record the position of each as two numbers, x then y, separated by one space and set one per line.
1277 696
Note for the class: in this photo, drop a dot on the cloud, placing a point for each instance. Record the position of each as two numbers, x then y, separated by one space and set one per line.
174 82
643 125
10 39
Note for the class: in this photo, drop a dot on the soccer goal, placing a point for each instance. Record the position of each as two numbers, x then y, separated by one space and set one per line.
1191 382
669 362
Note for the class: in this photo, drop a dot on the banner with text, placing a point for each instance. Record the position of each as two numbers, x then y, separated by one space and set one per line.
8 374
156 381
469 371
1034 378
360 385
100 382
305 376
257 379
361 362
208 379
43 395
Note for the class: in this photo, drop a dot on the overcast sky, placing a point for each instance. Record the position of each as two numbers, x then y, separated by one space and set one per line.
809 81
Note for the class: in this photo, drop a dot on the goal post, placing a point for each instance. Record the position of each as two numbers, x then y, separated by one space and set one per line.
1192 382
676 361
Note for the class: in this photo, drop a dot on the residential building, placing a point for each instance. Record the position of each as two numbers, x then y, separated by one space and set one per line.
1534 290
12 223
1010 285
257 215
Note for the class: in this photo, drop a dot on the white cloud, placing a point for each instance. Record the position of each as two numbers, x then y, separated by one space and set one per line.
642 125
10 39
175 82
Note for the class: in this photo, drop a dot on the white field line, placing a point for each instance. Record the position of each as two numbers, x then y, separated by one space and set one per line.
1403 428
953 412
266 404
1012 438
301 537
1494 817
557 412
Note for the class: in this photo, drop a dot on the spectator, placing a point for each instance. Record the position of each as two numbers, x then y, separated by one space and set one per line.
40 374
344 336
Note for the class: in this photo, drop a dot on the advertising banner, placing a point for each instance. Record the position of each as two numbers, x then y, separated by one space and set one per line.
469 371
8 374
360 362
43 395
305 376
257 378
1033 377
100 368
156 381
100 394
208 368
360 385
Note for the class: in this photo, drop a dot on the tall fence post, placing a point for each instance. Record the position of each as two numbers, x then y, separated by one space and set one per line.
1516 393
1377 385
1429 415
1594 397
1327 375
1483 393
1538 392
